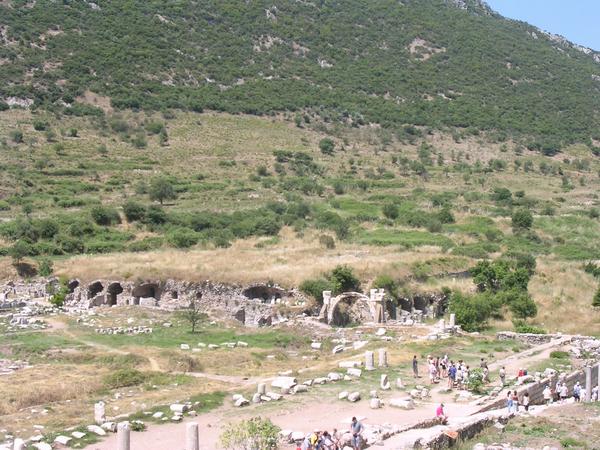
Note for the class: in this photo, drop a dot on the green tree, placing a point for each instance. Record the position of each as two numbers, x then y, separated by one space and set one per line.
161 189
193 315
251 434
19 250
522 305
472 312
522 220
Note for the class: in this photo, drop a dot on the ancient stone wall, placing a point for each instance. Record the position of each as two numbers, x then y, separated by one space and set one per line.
253 305
536 389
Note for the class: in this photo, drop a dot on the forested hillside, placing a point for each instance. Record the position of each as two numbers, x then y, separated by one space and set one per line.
428 62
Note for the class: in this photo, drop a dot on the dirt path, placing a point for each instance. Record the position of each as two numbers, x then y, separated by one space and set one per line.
523 359
291 414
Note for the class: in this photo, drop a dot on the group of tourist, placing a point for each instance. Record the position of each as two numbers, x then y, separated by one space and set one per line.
561 393
457 373
513 402
323 440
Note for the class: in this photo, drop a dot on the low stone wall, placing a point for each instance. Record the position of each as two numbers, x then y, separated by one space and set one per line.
536 390
465 431
537 339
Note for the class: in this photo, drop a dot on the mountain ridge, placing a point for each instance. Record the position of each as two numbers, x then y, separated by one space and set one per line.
437 63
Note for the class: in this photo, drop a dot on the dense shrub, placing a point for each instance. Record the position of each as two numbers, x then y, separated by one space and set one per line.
105 215
391 211
343 280
315 287
522 220
326 146
182 237
523 327
327 241
123 378
134 211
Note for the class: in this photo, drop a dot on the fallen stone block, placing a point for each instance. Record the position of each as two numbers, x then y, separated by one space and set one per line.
354 397
354 372
349 364
96 430
402 403
337 349
284 382
178 408
299 388
63 440
375 403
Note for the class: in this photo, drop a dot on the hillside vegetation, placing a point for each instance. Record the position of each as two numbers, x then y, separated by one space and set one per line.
378 61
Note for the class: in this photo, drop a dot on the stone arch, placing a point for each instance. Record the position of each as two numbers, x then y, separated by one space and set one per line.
146 290
72 285
421 303
347 308
113 291
94 289
405 304
265 293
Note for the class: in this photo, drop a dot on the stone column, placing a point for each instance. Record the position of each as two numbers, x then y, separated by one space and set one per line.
588 384
19 444
598 399
191 437
123 437
261 388
383 357
99 413
369 361
452 322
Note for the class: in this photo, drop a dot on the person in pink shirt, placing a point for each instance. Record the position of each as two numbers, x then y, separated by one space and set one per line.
441 414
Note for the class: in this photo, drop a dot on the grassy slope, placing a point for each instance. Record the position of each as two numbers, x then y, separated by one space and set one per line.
205 144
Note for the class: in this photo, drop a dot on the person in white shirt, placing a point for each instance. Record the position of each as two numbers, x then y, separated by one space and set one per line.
564 392
547 395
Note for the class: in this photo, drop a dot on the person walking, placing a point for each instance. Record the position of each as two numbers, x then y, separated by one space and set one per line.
547 395
451 375
577 392
515 398
564 392
525 401
509 402
415 366
502 375
356 428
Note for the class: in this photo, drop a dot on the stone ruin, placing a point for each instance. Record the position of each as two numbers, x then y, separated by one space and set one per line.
254 305
354 307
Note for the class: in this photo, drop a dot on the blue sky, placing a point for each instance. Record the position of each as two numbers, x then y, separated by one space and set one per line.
577 20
